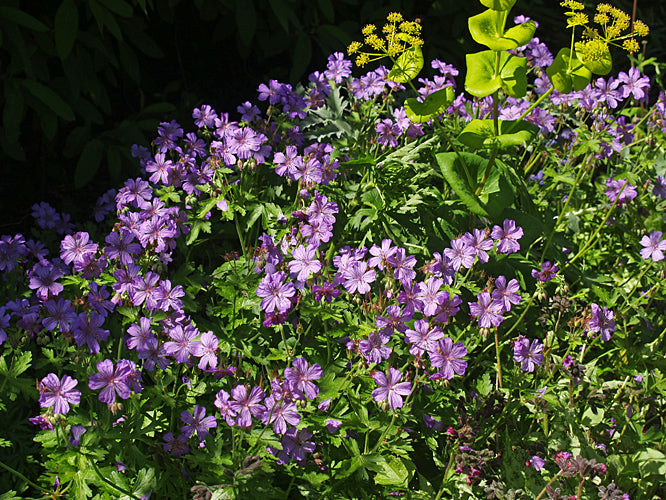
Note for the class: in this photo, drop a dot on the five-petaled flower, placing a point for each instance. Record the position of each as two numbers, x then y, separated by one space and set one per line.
390 388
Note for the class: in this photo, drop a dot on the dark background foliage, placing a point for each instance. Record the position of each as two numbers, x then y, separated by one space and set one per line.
83 80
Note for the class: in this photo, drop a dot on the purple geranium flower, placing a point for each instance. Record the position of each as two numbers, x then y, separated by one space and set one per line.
634 83
423 337
73 248
447 356
478 241
247 405
374 348
654 246
505 294
358 278
176 445
280 412
528 354
507 236
301 376
111 381
275 293
620 189
602 321
206 349
58 393
305 262
183 343
390 388
547 273
139 335
86 330
487 310
296 444
198 422
223 404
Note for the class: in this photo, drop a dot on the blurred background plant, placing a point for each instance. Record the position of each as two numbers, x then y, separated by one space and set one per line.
81 81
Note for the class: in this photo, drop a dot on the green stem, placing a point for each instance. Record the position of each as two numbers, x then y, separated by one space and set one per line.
486 173
529 110
498 380
446 473
113 485
18 474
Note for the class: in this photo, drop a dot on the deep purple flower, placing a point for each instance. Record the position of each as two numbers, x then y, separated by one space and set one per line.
608 93
42 422
60 312
602 321
402 266
58 393
394 320
326 291
176 445
506 294
410 295
144 291
547 273
86 330
374 348
77 431
168 298
660 187
488 311
296 444
388 132
247 405
448 307
73 248
301 376
390 388
654 246
43 280
423 337
280 412
507 236
528 354
111 381
447 356
121 246
198 422
275 292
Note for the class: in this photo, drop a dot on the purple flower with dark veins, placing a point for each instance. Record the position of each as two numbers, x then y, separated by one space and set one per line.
506 294
654 246
305 262
275 293
280 412
480 243
507 236
447 356
111 381
301 376
296 444
489 313
390 388
58 393
528 354
358 278
602 321
182 343
206 349
198 422
547 273
86 330
374 348
423 337
247 405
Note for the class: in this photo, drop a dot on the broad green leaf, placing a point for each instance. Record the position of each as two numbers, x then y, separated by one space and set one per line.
283 13
88 163
567 73
459 171
487 28
599 64
407 66
105 19
394 472
481 134
433 105
66 28
482 81
498 4
21 18
52 100
119 7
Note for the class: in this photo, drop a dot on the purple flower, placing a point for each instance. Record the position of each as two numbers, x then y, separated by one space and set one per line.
432 296
390 388
275 292
332 425
422 337
388 132
620 189
77 431
478 241
143 291
198 422
206 349
204 116
358 278
634 83
86 330
547 273
602 321
394 320
111 381
183 343
280 412
58 393
73 248
447 356
338 67
529 355
507 236
176 445
374 348
121 246
305 262
488 311
247 405
536 462
608 93
505 294
43 280
326 291
60 314
168 298
301 376
460 254
660 187
654 246
380 255
140 335
296 444
402 266
223 404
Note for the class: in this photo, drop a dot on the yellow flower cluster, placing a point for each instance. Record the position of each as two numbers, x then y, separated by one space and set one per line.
396 36
613 25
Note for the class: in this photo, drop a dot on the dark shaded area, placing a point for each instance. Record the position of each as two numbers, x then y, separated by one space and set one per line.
135 63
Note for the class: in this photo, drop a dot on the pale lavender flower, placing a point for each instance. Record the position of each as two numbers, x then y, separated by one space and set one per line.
528 354
431 295
275 293
390 388
58 393
460 254
620 189
301 376
478 241
507 236
447 356
111 381
505 294
73 248
337 67
139 335
537 462
634 83
198 422
423 337
402 266
654 246
206 349
358 278
489 313
223 404
247 405
182 343
305 262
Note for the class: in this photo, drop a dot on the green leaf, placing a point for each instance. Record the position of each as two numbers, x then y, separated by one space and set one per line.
407 66
482 81
651 462
52 100
481 134
302 57
66 28
88 163
21 18
282 12
460 171
433 105
118 7
326 6
498 4
394 472
105 19
487 28
21 364
565 78
12 114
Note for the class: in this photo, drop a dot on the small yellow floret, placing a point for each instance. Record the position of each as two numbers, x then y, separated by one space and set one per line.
572 4
394 17
362 59
602 19
604 8
368 29
641 29
630 45
354 47
578 19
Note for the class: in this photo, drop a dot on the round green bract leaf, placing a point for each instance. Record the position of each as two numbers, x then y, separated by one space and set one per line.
481 80
433 105
599 65
487 29
407 66
479 134
498 4
564 79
